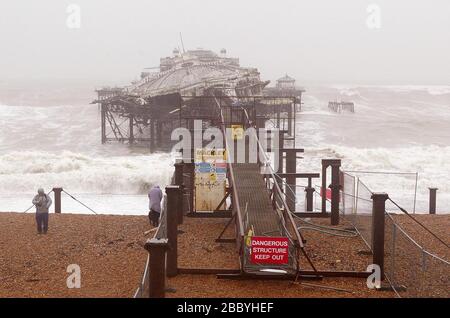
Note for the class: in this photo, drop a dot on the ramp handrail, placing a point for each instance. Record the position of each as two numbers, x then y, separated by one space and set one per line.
276 185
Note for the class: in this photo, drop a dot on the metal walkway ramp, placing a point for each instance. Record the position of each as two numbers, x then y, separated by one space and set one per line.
254 200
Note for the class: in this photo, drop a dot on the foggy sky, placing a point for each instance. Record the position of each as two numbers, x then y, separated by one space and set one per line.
314 41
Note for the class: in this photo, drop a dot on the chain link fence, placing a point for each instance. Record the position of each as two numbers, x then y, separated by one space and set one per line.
411 270
348 193
362 215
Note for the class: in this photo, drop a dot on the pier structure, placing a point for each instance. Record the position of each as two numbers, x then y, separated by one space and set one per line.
145 112
196 91
254 195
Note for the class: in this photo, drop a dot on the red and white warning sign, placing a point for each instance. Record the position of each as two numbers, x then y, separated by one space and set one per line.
269 250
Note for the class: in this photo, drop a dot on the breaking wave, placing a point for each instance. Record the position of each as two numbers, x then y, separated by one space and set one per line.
26 171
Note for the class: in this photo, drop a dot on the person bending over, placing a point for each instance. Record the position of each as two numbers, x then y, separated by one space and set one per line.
155 196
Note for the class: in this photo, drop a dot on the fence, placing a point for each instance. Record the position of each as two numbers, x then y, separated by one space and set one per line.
161 232
411 270
348 194
402 186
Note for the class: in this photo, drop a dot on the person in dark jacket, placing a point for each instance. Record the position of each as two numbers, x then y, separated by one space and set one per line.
42 202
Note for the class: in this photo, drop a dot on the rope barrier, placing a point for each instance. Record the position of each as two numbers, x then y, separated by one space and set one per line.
380 172
79 201
326 229
423 226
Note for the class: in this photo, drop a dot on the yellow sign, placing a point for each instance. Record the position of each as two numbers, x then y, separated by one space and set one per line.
237 131
210 155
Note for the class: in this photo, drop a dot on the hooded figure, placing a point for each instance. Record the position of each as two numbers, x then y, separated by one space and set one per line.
42 202
155 196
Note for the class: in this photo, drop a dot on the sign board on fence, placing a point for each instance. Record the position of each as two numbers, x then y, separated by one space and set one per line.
210 155
269 250
210 179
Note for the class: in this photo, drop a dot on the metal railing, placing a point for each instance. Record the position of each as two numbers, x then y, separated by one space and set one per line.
287 223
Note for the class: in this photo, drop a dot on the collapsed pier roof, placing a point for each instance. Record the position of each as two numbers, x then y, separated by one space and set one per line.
194 72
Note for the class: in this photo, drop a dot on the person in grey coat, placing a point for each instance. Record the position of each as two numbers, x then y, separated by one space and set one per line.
155 197
42 202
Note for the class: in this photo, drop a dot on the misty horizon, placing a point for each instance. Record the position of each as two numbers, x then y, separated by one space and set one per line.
320 42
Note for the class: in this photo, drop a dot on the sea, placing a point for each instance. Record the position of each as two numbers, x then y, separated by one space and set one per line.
397 141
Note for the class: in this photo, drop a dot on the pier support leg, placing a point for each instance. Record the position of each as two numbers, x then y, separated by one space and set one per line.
152 135
131 129
158 134
378 211
157 267
433 200
103 119
173 198
290 119
57 192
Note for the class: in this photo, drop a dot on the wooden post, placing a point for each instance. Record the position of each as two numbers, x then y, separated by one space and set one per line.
335 164
433 200
157 269
335 195
309 196
173 198
57 192
378 211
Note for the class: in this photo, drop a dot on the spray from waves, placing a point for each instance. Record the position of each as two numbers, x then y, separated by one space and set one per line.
422 159
24 172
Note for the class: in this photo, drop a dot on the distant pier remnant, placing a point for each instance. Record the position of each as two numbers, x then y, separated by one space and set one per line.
433 200
340 107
